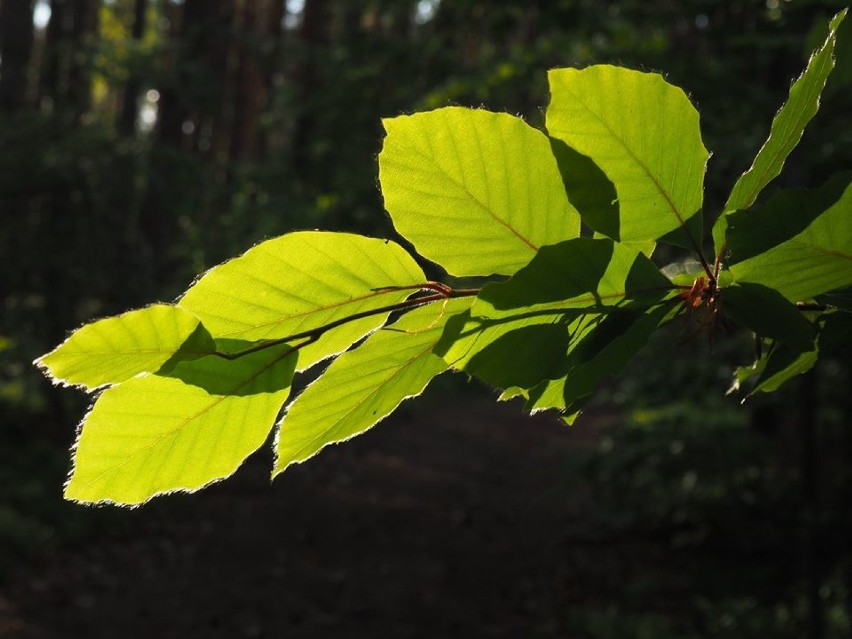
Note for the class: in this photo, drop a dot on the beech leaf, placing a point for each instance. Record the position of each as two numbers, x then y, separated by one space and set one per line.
474 191
644 135
363 386
302 281
786 131
115 349
156 434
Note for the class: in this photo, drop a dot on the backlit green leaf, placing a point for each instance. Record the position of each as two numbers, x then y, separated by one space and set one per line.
786 130
799 243
161 433
114 349
299 282
474 191
363 386
644 135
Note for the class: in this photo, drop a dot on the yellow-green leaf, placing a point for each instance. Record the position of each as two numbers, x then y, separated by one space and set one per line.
474 191
115 349
787 128
162 433
302 281
798 243
644 135
363 386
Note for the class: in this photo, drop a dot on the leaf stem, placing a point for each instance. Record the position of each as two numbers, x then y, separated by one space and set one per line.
717 264
441 292
711 274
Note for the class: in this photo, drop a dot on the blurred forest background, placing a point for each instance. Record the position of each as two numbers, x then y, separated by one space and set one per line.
143 141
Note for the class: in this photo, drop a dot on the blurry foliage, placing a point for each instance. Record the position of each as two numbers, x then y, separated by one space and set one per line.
702 504
246 129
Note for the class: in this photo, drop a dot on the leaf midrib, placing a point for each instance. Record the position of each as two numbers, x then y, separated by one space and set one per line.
633 156
475 200
398 370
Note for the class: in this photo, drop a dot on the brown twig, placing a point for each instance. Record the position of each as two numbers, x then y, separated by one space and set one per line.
442 292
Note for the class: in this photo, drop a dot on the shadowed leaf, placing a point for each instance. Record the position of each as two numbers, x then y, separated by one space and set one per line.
548 305
603 351
769 314
644 135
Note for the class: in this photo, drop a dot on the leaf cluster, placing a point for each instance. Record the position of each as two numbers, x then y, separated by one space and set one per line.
562 226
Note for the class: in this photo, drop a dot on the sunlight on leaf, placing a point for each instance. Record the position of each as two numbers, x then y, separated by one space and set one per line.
115 349
363 386
798 243
786 130
157 434
301 281
474 191
644 135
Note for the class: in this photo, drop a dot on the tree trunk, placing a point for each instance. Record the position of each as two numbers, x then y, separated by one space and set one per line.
192 134
83 32
129 107
69 49
54 37
16 44
261 27
314 36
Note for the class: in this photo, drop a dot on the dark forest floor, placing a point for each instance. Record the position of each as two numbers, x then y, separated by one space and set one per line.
455 517
444 521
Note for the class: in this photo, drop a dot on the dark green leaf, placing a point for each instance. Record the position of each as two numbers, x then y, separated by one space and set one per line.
769 314
521 357
588 189
601 352
558 298
783 363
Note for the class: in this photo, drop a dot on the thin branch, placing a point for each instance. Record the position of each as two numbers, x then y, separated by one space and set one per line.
710 273
717 264
443 292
